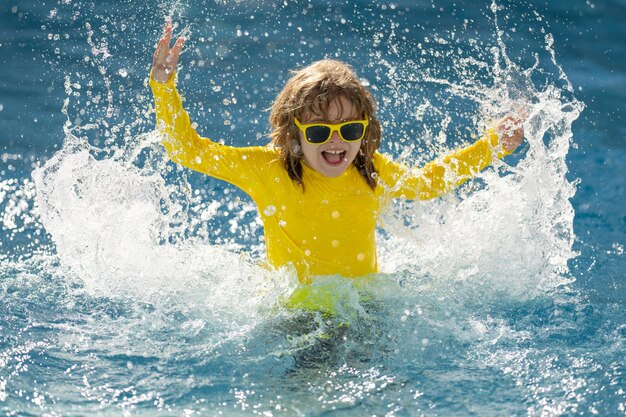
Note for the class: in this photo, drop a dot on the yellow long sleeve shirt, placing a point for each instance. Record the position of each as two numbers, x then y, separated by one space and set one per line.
329 226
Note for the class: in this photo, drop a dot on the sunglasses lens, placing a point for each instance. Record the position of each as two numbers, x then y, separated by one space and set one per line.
317 134
352 131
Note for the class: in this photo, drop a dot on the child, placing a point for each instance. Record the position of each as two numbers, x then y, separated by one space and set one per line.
321 183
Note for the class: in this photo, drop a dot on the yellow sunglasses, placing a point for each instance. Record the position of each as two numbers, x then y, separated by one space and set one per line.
318 133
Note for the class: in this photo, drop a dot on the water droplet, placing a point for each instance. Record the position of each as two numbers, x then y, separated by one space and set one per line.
123 72
360 257
335 243
282 223
269 210
335 214
307 252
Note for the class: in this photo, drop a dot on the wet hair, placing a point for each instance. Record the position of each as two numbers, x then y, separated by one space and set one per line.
312 90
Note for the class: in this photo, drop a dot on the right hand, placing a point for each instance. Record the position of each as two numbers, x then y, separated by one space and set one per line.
165 58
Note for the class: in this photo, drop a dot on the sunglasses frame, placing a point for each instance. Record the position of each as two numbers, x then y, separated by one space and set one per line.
333 127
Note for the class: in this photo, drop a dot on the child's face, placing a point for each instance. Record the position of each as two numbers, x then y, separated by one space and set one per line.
335 156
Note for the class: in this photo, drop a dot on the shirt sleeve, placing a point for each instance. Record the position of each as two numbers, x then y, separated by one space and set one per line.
441 175
240 166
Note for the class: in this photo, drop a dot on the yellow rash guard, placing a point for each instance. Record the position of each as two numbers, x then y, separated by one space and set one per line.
328 227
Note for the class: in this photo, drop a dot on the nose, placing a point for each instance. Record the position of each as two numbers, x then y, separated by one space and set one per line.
334 137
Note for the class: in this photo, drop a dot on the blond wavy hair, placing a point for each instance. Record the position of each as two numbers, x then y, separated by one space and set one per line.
313 89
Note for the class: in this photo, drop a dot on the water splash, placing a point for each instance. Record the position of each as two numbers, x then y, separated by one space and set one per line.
120 221
516 231
510 231
140 280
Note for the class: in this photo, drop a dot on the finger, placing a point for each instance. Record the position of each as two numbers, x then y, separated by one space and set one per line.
515 118
511 121
157 52
522 112
166 38
160 55
178 47
167 32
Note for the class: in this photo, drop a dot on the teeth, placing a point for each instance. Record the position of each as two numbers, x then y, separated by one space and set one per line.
334 152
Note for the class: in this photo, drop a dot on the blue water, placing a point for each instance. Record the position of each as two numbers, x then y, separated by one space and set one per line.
130 286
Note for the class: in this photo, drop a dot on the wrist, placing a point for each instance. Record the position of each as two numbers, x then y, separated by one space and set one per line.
158 80
161 78
495 143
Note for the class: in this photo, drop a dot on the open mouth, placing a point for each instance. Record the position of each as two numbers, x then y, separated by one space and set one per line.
334 157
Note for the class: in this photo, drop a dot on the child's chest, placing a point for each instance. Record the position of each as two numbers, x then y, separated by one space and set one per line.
323 207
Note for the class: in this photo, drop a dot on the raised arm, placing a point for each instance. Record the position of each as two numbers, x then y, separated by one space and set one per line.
181 141
449 172
242 167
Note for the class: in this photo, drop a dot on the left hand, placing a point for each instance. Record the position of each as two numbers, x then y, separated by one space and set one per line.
510 131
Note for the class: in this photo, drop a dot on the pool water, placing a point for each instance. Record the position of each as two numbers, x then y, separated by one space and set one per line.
131 286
